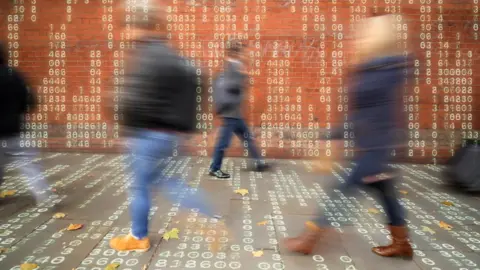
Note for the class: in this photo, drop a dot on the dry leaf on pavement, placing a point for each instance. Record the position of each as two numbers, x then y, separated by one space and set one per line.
427 229
3 250
28 266
258 253
445 226
172 234
112 266
74 227
7 193
262 223
447 203
242 191
373 211
59 215
404 192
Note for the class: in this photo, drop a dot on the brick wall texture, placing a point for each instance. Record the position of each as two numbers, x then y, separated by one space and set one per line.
74 52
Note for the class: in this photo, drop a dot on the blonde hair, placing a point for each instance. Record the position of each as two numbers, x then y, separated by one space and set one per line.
378 36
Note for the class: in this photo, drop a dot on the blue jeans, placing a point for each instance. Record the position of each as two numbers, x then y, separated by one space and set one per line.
151 151
25 159
371 163
232 126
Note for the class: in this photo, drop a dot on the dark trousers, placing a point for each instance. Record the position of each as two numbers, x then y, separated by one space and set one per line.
232 126
371 163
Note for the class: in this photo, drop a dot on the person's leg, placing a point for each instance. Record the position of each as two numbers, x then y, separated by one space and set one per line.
177 190
389 197
223 142
147 148
306 242
352 183
30 168
193 198
400 246
244 134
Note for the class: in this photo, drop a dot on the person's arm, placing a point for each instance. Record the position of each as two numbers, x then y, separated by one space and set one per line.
235 78
25 94
143 67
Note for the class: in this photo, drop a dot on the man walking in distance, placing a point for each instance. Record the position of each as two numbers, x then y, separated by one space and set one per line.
229 95
158 106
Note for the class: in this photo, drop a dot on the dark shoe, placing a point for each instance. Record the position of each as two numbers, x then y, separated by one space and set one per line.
261 167
306 242
400 246
219 174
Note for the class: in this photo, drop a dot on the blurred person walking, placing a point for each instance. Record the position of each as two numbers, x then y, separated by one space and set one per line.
158 109
17 99
377 77
229 93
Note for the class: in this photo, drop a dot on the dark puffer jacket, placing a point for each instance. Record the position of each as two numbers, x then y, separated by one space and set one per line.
16 100
376 109
160 89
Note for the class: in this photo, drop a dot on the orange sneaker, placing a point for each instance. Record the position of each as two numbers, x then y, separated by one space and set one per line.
130 243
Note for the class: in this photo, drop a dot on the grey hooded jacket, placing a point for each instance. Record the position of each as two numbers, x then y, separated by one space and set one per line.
230 91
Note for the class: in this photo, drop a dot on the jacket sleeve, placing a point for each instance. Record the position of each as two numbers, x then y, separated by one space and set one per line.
235 79
25 94
234 85
142 75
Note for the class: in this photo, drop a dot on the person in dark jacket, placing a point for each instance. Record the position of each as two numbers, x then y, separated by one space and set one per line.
16 100
158 108
230 97
375 83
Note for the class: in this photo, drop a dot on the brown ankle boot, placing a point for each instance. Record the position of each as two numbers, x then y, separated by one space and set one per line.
400 246
306 242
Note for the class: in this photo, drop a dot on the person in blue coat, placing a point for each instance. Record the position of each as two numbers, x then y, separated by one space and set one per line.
375 82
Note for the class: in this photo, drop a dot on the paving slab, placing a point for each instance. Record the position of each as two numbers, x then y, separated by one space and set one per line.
51 247
250 229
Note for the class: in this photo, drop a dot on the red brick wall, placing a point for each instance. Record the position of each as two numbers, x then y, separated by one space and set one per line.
72 51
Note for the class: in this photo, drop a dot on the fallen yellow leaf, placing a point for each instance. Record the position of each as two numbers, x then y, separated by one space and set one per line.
427 229
243 191
172 234
112 266
144 267
3 250
258 253
28 266
262 223
445 226
373 211
7 193
404 192
447 203
74 227
59 215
